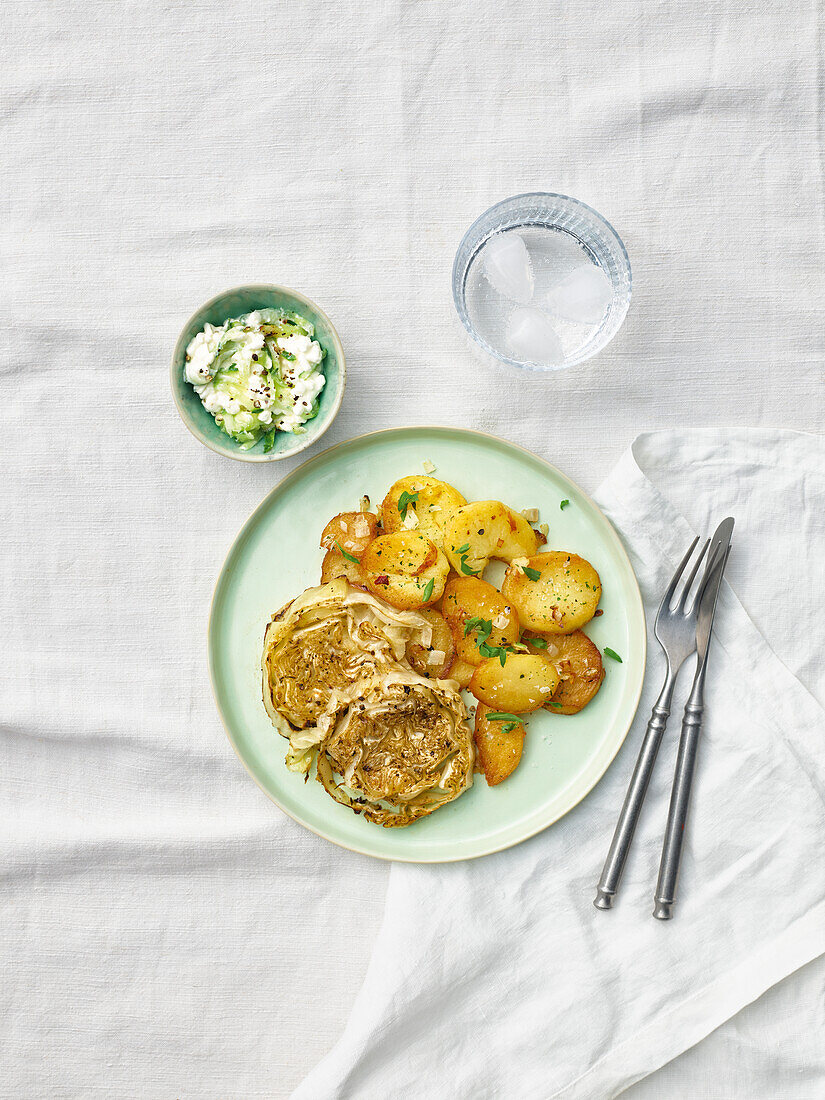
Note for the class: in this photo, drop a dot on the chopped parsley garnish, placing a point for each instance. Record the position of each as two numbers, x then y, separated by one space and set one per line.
348 556
499 651
564 504
404 501
608 652
531 574
466 569
428 591
538 643
510 720
555 706
483 629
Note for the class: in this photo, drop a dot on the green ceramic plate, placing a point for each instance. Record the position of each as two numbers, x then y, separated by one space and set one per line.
276 556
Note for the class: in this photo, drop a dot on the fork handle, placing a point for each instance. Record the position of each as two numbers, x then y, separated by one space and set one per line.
679 803
636 791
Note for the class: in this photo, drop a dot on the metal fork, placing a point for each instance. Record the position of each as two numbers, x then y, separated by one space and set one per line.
675 630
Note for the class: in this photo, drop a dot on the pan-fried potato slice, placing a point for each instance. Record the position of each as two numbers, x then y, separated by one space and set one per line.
563 597
400 568
425 502
524 683
336 565
499 743
435 659
351 531
451 576
469 598
579 665
486 529
461 672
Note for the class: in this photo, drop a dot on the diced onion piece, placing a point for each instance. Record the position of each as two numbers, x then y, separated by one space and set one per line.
361 526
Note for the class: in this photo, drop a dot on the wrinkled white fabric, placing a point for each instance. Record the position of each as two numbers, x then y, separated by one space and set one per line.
164 930
501 972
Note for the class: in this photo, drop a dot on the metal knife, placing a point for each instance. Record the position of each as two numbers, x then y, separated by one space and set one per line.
691 727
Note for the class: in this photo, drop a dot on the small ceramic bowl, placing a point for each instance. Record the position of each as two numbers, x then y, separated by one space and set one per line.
243 299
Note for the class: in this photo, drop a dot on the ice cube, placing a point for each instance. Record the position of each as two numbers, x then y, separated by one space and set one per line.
508 268
532 338
582 296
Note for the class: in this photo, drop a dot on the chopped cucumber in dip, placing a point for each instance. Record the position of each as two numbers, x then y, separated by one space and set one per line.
258 374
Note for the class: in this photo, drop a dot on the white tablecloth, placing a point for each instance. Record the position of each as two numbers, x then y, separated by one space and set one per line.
166 930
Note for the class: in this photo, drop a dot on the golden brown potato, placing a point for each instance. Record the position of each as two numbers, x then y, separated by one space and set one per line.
562 597
499 743
579 665
451 576
351 532
336 565
441 648
461 672
426 499
406 569
483 530
524 683
469 598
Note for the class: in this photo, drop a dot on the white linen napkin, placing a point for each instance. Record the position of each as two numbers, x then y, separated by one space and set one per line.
498 977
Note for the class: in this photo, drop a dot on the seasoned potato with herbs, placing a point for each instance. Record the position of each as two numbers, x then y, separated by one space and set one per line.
350 532
406 569
435 659
523 683
499 742
336 564
479 617
555 593
579 665
422 504
483 530
461 672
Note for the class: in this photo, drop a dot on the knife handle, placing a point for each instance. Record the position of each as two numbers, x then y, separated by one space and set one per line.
636 791
679 802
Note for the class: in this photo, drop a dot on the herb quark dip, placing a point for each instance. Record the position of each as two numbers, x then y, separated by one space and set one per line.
257 374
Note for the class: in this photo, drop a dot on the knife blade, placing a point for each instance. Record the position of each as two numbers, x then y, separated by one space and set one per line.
711 583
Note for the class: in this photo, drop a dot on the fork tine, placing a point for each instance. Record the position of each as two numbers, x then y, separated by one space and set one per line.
713 564
683 598
671 588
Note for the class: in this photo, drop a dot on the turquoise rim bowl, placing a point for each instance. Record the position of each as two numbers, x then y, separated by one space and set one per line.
231 303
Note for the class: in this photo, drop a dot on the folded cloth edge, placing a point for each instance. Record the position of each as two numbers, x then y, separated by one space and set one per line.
800 943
